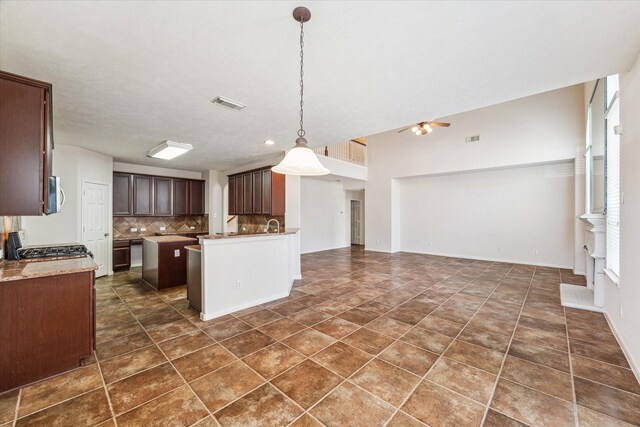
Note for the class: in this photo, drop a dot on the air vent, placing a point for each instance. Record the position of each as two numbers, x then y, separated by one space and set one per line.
226 102
471 139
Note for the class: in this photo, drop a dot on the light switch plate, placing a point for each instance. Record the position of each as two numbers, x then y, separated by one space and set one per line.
176 253
134 229
143 229
163 228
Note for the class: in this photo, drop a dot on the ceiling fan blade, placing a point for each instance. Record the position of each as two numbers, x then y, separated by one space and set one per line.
402 130
439 124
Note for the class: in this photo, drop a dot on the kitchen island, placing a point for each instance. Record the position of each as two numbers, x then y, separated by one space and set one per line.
164 260
244 270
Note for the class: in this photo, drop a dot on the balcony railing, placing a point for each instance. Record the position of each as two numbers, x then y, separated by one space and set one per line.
351 151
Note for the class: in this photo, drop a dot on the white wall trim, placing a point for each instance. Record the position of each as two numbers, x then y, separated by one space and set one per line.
635 366
253 303
510 261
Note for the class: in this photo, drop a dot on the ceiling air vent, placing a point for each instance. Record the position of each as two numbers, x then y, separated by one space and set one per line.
226 102
471 139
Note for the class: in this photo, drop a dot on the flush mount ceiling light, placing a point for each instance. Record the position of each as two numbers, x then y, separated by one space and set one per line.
168 150
300 160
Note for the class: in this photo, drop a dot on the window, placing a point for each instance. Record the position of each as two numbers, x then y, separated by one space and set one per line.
612 121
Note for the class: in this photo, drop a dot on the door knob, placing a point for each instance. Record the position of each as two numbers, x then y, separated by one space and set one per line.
106 234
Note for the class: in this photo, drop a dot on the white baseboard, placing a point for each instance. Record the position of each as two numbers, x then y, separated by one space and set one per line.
253 303
509 261
635 367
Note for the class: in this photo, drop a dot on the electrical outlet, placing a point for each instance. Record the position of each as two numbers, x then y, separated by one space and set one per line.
134 229
176 253
163 228
239 284
143 229
192 228
620 310
535 252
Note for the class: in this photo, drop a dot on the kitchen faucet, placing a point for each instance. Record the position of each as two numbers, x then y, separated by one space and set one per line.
277 223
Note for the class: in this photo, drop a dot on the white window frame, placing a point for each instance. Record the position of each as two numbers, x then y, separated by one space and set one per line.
612 116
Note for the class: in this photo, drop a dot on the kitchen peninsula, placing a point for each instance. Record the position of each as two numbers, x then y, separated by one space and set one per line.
245 270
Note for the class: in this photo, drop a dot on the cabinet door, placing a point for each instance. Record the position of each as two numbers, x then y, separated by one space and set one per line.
278 200
231 195
239 195
196 197
142 195
122 194
180 197
257 192
121 258
266 191
247 184
163 196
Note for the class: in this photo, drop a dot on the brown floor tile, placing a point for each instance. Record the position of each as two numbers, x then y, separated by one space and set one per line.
593 336
122 345
247 343
530 406
589 418
62 387
309 317
492 325
496 419
485 339
306 383
160 317
437 406
223 386
261 317
400 419
375 307
544 337
605 373
541 378
170 330
8 402
305 421
273 360
350 406
427 340
458 316
386 381
604 353
288 308
85 410
142 387
128 364
336 327
281 328
540 355
308 341
342 358
466 380
264 406
441 326
409 357
230 328
406 315
179 407
369 341
118 331
201 362
616 403
473 355
358 316
185 344
388 326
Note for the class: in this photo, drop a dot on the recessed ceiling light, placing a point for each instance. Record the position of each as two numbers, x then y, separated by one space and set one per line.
269 142
168 150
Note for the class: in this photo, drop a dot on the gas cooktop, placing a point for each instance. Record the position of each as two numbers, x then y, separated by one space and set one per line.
62 251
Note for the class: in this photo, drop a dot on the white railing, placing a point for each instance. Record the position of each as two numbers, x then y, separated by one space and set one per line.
349 151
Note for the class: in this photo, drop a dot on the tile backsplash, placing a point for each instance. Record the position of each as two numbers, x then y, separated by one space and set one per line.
122 225
256 223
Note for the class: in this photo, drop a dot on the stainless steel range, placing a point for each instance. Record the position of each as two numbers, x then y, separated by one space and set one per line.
60 251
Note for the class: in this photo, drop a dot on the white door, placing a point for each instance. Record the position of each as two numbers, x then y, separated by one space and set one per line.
95 223
355 222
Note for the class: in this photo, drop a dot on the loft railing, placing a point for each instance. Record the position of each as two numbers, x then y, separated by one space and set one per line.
350 151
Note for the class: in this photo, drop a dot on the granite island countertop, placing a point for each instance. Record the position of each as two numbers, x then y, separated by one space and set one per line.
169 239
30 269
241 235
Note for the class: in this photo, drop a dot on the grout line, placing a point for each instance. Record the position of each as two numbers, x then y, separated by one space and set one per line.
106 392
15 415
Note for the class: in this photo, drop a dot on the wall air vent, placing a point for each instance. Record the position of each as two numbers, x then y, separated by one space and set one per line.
471 139
226 102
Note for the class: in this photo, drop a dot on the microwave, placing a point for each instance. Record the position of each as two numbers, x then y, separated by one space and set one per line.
56 195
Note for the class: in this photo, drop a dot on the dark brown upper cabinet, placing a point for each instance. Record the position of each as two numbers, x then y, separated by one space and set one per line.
257 192
142 195
26 145
122 193
232 195
163 196
180 197
196 197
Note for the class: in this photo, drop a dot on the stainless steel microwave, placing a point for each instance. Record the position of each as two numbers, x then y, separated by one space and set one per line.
56 195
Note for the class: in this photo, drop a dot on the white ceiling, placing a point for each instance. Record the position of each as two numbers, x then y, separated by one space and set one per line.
128 75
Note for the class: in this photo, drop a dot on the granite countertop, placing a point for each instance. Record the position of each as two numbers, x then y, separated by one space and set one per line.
161 233
196 248
240 235
168 239
23 269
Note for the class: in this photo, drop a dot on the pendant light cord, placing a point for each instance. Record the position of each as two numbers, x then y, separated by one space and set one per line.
301 132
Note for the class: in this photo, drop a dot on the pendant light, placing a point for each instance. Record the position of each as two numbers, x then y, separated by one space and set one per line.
301 160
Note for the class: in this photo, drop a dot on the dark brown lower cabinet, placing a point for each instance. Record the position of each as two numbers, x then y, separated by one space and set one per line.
164 263
121 255
47 326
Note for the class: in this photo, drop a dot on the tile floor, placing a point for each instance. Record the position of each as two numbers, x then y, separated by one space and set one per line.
364 339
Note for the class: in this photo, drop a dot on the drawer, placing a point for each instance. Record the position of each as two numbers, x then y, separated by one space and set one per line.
121 243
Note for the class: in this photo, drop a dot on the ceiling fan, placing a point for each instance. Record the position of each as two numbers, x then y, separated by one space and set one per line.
425 127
